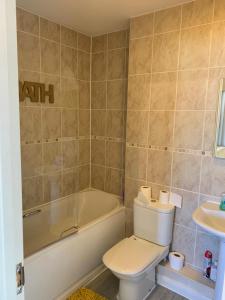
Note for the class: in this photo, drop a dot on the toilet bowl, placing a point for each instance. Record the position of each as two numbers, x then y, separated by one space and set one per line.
133 260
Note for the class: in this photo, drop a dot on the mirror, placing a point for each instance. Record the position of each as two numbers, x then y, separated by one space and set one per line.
220 131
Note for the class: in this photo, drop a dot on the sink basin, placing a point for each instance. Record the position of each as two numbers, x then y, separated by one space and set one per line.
209 217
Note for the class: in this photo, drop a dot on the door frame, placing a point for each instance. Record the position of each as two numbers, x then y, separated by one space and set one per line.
11 236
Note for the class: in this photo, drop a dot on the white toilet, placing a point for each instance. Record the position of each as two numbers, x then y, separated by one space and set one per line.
133 260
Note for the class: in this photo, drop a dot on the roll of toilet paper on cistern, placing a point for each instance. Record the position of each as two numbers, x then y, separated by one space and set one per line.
146 192
176 260
164 197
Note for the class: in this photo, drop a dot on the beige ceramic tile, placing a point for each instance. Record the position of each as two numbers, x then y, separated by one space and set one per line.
84 94
163 91
141 26
114 154
161 128
99 66
98 177
70 152
209 131
137 121
98 152
159 167
70 180
52 157
49 30
55 81
31 158
32 192
156 188
167 20
98 95
138 92
50 57
116 64
186 171
115 124
84 151
192 87
140 56
219 11
52 187
218 43
84 177
69 123
165 52
68 62
51 118
114 181
215 76
68 37
83 65
69 92
84 122
98 122
84 42
194 48
188 129
116 94
117 39
27 22
99 43
30 120
28 52
197 13
136 160
132 187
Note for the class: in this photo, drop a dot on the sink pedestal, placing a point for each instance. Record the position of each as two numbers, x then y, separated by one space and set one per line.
220 280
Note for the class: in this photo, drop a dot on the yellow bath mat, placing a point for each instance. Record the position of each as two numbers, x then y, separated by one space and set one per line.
85 294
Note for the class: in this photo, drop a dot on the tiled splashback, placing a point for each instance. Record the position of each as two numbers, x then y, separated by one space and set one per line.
176 59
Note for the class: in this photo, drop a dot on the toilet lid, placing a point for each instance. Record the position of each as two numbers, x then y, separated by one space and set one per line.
132 255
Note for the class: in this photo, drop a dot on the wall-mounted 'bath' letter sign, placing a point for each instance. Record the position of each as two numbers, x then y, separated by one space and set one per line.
36 92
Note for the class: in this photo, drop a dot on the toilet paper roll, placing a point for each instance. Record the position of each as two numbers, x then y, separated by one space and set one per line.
176 260
164 197
145 193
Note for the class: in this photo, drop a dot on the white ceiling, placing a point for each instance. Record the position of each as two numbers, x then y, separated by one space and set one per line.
94 17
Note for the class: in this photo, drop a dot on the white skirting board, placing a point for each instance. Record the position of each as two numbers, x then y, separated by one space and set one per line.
188 282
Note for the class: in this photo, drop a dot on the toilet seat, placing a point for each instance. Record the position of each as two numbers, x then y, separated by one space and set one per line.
132 255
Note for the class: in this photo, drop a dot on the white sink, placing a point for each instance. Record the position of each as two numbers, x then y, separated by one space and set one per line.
209 217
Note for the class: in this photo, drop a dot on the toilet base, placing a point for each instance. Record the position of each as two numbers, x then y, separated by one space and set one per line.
138 288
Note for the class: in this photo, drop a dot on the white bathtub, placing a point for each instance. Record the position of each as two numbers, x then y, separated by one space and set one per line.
50 272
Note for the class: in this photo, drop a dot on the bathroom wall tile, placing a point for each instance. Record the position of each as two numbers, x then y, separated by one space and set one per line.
186 171
84 94
99 43
50 57
197 13
31 158
114 181
138 92
98 177
163 91
98 66
84 177
84 151
70 154
27 22
116 64
215 76
28 52
209 131
218 40
183 215
98 152
98 95
49 30
84 42
141 26
68 62
115 123
205 242
156 188
161 128
84 122
140 56
52 157
70 182
51 118
167 19
117 39
138 133
219 10
116 94
83 65
194 48
136 159
188 129
52 187
213 176
98 122
115 154
132 187
69 92
192 87
69 123
32 191
68 37
30 120
159 167
184 242
165 52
